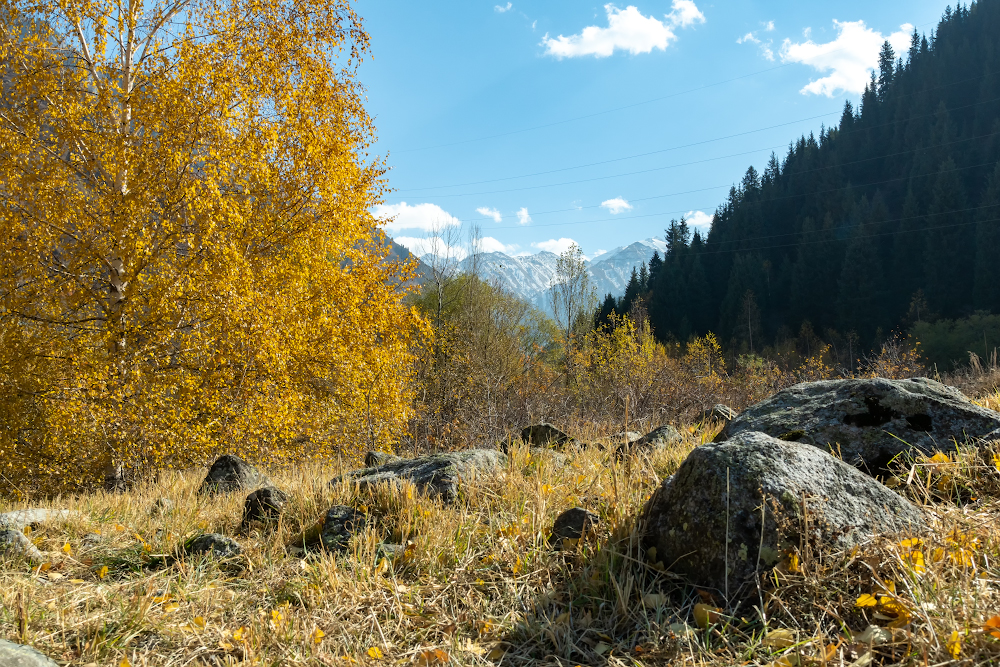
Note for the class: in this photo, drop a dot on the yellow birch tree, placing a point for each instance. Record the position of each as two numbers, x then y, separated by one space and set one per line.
188 262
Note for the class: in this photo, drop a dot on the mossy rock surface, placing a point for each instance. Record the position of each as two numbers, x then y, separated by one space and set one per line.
869 422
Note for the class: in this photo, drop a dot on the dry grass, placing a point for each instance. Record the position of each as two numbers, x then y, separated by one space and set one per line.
479 584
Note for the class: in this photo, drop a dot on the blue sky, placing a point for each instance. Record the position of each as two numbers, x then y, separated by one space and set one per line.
545 122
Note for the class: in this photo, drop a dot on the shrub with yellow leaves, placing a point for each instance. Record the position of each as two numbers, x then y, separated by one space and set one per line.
189 264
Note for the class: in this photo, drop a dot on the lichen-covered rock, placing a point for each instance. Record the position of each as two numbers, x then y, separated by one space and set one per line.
571 525
339 524
438 475
231 473
544 435
263 505
214 545
373 459
13 542
16 655
690 514
868 422
657 439
18 519
540 454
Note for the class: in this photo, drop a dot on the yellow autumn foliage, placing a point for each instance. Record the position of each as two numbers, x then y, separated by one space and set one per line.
188 262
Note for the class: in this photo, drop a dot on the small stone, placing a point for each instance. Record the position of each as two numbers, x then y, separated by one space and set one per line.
16 655
544 435
213 545
264 505
18 519
657 439
231 473
339 524
16 543
161 506
572 524
92 539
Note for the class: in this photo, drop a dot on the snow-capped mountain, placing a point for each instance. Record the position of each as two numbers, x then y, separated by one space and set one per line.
531 276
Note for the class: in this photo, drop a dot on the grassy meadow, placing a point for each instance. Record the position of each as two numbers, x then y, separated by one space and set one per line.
479 584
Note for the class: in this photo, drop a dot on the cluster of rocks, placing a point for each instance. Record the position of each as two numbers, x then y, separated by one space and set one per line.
803 466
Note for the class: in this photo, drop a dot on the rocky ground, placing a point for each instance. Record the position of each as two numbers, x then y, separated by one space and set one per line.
837 523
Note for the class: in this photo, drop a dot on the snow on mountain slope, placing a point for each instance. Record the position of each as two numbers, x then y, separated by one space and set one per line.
531 276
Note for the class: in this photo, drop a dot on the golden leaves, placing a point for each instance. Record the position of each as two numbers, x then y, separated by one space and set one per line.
375 653
705 615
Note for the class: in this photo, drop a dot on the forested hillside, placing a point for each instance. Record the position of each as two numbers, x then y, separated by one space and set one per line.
891 218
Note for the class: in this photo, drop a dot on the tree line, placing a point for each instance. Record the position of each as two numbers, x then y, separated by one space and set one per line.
889 219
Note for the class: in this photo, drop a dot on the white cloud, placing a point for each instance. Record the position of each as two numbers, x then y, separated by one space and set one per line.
490 244
558 246
850 58
522 217
598 254
699 220
500 9
769 26
766 48
616 205
685 14
490 213
425 217
422 246
628 30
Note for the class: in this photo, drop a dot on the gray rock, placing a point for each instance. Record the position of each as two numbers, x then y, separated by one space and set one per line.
339 524
15 655
571 525
687 518
264 505
161 506
544 435
437 475
18 519
391 552
718 412
231 473
213 545
655 440
373 459
868 422
92 539
13 542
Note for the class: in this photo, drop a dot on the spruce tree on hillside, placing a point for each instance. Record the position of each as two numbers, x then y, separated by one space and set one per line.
986 293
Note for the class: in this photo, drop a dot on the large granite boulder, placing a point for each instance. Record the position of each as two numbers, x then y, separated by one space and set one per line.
868 422
16 655
15 543
437 475
690 514
231 473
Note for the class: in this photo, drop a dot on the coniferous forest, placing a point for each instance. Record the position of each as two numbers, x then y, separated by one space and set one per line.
886 221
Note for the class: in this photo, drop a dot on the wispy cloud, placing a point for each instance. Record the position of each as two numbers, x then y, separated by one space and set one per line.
500 9
699 220
627 30
766 48
522 217
558 246
849 59
425 217
490 213
490 244
616 205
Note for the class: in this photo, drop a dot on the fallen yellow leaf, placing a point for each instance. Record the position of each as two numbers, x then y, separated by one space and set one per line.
171 607
375 653
103 572
865 601
779 638
955 644
67 549
705 615
654 599
992 626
